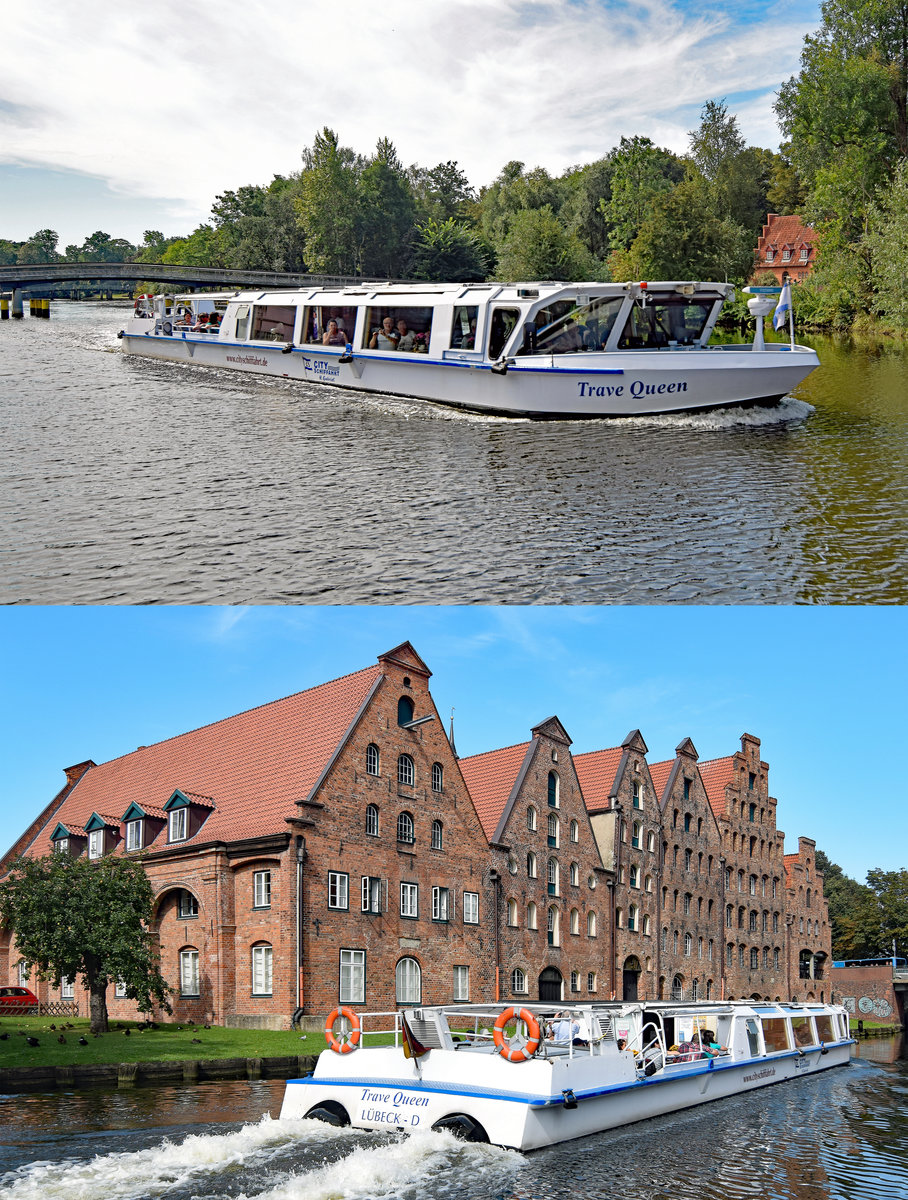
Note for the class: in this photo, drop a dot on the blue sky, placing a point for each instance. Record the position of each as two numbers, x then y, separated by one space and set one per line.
134 117
823 688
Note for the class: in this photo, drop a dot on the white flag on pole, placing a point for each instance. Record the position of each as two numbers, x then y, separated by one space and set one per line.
783 308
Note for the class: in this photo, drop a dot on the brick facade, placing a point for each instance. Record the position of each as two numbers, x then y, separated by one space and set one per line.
331 847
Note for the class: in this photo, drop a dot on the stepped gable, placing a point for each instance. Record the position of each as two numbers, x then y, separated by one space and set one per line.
597 771
247 770
490 780
716 775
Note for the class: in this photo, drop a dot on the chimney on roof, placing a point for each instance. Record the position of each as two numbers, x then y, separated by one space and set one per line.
74 774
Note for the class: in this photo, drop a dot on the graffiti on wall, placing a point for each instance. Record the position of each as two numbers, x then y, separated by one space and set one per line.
867 1006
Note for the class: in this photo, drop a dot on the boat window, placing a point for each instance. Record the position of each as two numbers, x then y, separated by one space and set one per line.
317 324
567 325
398 328
775 1034
753 1037
273 322
504 321
242 323
824 1029
802 1028
655 322
463 327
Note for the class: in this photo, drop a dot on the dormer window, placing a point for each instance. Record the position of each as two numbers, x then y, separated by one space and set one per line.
133 835
68 839
61 845
142 826
96 843
770 255
805 253
786 256
186 813
177 829
103 834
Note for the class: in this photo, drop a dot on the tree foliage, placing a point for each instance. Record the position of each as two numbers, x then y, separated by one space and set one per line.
91 918
866 918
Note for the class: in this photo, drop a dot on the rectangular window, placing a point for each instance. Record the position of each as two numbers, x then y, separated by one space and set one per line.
371 894
120 990
61 845
188 905
338 896
261 889
189 973
96 843
440 904
329 325
133 835
261 970
273 322
461 983
67 989
591 981
405 329
775 1034
178 825
352 977
242 322
463 328
409 900
471 908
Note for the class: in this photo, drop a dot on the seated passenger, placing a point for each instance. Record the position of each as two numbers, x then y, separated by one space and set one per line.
406 339
333 335
386 337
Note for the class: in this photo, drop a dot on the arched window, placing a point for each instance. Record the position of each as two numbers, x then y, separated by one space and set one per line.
554 927
648 883
575 921
372 821
635 835
262 957
619 918
518 982
632 918
408 980
531 915
688 855
575 874
687 822
406 773
575 831
646 926
754 958
373 759
554 790
438 777
552 876
437 835
405 827
404 710
531 819
637 794
591 981
531 865
575 981
634 878
512 913
553 831
591 924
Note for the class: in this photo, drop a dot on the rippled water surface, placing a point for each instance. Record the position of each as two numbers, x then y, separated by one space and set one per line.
130 481
840 1134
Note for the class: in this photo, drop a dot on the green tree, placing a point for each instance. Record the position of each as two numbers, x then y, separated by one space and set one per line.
92 918
513 192
588 191
640 172
328 205
202 248
890 889
852 912
537 246
386 211
447 251
887 243
441 192
9 252
41 247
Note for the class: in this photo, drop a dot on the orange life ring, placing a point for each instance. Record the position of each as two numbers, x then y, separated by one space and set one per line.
533 1041
355 1033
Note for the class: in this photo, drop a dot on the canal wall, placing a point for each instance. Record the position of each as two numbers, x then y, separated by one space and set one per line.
869 993
46 1079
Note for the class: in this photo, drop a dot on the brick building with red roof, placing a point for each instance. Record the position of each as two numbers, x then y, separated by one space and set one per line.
787 248
330 847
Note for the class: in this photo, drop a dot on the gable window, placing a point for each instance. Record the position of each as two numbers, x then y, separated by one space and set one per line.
406 773
177 827
461 983
591 981
373 759
632 918
637 798
261 889
575 832
437 835
531 915
635 835
471 908
352 985
262 958
187 905
133 835
440 903
786 256
404 710
518 982
575 981
372 820
512 914
531 819
189 973
409 900
405 828
531 865
770 255
338 890
408 981
591 924
553 831
553 929
552 876
438 777
371 894
575 875
634 877
575 921
553 790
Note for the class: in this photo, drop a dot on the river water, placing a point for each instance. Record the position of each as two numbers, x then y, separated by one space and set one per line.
130 481
842 1134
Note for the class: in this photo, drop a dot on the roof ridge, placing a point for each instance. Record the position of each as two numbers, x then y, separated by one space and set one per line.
497 750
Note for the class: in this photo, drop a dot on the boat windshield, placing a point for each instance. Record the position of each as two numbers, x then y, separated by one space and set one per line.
661 320
568 325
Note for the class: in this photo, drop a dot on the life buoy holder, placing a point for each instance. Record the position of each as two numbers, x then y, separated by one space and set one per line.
518 1053
352 1039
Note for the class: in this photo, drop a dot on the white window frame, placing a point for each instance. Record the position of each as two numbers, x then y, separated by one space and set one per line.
438 777
441 904
438 835
261 889
96 843
338 891
262 970
177 824
373 820
189 973
68 988
519 982
134 834
187 905
406 771
373 759
471 908
371 894
408 981
409 900
119 990
61 845
352 977
461 983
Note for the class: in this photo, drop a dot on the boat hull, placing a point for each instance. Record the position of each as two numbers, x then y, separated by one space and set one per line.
547 387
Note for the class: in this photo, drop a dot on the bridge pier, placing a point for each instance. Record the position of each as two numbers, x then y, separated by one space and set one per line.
17 304
4 308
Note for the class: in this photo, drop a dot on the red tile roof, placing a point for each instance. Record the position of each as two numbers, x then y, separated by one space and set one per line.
596 771
489 778
659 772
715 775
251 767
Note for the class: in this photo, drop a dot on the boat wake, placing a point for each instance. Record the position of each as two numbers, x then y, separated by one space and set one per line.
276 1160
786 412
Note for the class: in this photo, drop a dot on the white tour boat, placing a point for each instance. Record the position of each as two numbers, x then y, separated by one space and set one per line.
537 350
531 1076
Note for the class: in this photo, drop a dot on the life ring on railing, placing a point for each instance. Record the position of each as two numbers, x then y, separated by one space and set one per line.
355 1033
521 1053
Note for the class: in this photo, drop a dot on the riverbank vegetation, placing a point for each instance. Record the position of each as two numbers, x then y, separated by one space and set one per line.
639 212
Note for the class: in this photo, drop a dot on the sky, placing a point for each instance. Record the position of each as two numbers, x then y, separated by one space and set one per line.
822 687
132 117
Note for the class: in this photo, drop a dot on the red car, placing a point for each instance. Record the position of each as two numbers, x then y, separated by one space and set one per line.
17 1000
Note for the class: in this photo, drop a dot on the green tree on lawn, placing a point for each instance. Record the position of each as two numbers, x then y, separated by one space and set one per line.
75 916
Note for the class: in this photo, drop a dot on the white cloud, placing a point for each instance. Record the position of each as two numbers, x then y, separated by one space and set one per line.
183 100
